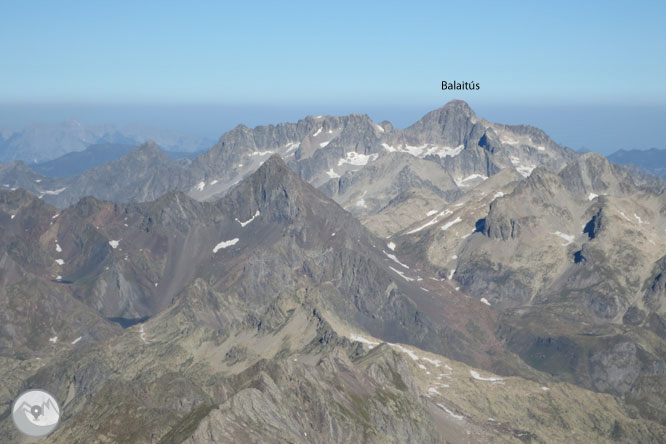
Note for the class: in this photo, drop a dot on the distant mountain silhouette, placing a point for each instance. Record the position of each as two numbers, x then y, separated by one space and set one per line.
652 160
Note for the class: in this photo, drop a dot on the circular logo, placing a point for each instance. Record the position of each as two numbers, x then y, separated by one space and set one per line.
36 413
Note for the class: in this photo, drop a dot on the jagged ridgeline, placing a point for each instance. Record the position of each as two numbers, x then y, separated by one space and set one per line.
340 281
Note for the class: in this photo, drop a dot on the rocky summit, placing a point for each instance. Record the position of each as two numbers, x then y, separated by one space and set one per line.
338 280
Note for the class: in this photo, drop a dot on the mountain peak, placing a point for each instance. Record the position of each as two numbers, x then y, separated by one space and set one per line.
591 156
281 196
148 146
446 125
459 106
274 174
146 151
275 162
593 173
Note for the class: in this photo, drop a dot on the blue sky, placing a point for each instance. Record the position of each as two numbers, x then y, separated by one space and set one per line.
281 59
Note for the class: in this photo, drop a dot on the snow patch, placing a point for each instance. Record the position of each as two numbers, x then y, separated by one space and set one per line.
485 301
332 174
142 334
402 275
53 339
462 182
410 353
291 146
432 222
426 225
114 244
55 192
425 150
58 249
77 340
416 151
477 376
262 153
242 224
522 168
318 132
323 144
448 225
445 151
431 212
525 170
354 158
357 338
592 196
435 362
395 259
60 262
567 237
391 245
225 244
624 216
453 415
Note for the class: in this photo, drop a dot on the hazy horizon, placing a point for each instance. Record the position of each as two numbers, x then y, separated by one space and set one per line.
586 73
600 128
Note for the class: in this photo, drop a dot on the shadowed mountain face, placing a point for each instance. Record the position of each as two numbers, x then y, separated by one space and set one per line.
233 290
652 161
77 162
74 163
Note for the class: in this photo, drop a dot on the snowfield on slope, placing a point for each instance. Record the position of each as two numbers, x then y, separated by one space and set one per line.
225 244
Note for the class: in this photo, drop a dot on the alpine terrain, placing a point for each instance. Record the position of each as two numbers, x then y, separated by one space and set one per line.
339 280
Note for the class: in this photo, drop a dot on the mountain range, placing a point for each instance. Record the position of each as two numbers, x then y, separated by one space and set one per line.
340 280
39 143
652 160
